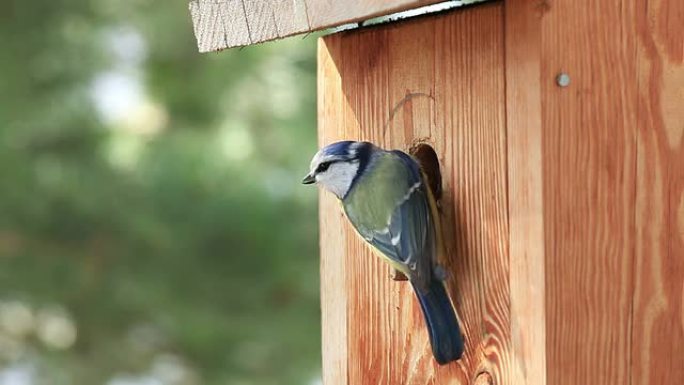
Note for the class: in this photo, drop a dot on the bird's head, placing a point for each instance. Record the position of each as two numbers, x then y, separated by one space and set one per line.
336 166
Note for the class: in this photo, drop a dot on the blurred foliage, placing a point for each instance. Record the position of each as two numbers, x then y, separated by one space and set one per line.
152 226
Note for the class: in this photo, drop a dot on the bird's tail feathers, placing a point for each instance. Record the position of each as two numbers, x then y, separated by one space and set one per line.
443 328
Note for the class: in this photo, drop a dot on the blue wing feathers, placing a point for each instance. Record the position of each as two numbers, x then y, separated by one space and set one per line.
410 221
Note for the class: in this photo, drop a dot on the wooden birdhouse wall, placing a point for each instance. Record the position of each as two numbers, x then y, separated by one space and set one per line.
440 80
563 203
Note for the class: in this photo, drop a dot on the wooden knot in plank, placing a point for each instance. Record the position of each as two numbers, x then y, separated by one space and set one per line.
483 378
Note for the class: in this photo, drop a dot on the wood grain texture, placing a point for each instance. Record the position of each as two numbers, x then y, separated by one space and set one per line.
438 80
326 13
589 152
221 24
563 207
333 245
525 192
658 320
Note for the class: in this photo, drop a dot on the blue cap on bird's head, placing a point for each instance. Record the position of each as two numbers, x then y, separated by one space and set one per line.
337 148
336 165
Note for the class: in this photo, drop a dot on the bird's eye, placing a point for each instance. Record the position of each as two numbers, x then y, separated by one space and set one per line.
323 167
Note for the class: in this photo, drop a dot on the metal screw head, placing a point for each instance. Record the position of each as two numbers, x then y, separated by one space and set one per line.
563 79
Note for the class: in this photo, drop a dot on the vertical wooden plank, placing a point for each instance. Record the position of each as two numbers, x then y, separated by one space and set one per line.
410 88
453 102
488 146
525 193
658 326
440 80
334 275
370 312
589 188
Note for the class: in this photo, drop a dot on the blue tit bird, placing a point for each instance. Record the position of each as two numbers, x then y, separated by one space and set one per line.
386 197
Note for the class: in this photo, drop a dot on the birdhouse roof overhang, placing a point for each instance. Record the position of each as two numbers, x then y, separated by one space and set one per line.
221 24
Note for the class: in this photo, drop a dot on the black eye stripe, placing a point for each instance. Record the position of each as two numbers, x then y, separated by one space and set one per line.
323 166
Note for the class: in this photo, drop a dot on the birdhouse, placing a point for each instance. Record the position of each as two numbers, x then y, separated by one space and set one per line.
558 127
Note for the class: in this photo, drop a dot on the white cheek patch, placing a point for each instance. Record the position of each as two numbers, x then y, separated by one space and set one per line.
338 177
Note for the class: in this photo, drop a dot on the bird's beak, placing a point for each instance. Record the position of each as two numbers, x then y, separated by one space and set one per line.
309 179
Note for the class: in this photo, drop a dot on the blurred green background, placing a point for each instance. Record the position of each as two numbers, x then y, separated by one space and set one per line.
152 225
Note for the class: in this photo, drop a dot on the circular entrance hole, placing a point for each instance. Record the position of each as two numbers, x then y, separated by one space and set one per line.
427 158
